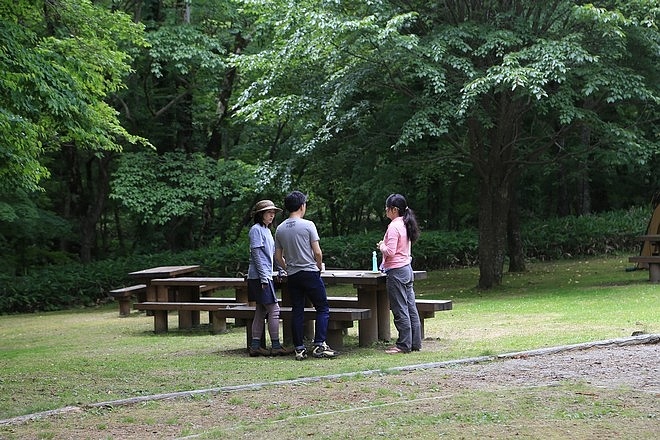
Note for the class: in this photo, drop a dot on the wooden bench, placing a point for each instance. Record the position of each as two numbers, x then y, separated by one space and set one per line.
426 308
123 296
653 262
160 310
340 319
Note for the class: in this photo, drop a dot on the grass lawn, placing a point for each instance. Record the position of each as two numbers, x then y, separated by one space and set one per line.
78 357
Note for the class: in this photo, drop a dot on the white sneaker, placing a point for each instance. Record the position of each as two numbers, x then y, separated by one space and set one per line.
323 351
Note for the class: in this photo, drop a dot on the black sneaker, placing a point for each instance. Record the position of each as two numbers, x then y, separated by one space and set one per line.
323 351
301 354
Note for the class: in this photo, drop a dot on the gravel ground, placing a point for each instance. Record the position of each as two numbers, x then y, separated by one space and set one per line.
634 366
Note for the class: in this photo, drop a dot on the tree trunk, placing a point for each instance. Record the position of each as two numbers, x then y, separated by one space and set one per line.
563 200
514 237
184 122
583 184
119 231
492 153
584 192
97 189
215 142
84 198
493 218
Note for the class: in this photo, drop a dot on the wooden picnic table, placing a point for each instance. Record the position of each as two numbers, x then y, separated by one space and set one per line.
371 294
164 284
145 276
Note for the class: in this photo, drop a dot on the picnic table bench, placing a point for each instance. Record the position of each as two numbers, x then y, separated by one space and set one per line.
652 260
160 311
125 294
340 318
426 308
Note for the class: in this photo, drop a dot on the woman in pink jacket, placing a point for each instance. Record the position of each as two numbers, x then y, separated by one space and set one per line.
396 249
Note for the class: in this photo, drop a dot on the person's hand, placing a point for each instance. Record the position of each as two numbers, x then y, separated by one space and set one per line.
379 244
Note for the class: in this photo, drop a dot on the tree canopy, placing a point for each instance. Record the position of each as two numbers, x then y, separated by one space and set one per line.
60 60
499 86
481 113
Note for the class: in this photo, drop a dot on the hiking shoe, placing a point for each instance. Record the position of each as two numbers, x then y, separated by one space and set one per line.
254 352
323 351
281 351
301 354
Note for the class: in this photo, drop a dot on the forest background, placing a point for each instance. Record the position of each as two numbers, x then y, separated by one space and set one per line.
141 132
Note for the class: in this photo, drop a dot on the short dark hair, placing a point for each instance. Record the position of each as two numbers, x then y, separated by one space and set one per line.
294 201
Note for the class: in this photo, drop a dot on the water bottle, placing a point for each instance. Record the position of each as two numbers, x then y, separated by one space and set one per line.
374 262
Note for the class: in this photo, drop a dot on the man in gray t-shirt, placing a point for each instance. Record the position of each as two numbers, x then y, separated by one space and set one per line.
297 251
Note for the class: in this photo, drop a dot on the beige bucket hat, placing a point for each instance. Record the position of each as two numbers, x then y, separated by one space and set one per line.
265 205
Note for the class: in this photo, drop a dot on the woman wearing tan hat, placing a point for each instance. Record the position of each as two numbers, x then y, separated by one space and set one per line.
260 281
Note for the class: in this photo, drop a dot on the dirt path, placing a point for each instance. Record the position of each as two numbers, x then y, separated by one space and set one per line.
634 366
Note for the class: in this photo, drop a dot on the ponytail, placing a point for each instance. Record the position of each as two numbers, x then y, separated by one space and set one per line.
409 220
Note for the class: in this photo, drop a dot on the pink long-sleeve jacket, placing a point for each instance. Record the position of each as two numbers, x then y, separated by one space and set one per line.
395 246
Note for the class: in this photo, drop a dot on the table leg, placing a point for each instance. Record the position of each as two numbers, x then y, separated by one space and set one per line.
150 296
654 272
287 338
241 297
160 321
384 333
217 324
368 328
187 318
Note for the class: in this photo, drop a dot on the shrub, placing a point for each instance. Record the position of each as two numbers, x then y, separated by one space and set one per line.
78 285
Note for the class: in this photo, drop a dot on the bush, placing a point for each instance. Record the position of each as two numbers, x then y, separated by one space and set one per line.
77 285
569 237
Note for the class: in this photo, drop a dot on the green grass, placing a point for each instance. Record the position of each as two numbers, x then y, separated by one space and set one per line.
77 357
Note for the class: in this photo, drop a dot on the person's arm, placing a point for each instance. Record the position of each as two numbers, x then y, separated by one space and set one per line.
318 255
264 272
257 252
279 258
388 245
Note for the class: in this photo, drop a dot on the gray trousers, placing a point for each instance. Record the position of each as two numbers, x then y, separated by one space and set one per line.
402 303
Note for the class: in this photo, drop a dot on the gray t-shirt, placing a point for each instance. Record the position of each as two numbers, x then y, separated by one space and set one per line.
295 237
261 253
